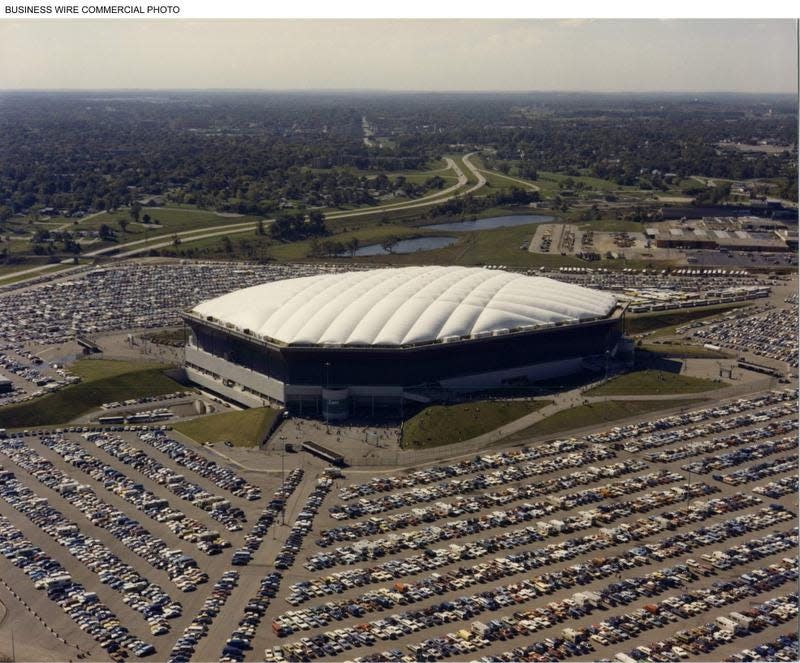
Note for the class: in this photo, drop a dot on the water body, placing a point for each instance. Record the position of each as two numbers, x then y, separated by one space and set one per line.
492 222
408 246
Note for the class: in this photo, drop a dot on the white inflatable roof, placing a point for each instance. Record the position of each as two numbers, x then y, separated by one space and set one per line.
403 306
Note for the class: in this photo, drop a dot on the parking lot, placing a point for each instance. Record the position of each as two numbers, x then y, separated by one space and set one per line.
673 538
129 543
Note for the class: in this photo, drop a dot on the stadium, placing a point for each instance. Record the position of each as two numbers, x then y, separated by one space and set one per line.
331 343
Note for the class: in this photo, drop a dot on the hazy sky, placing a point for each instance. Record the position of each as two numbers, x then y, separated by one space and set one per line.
610 55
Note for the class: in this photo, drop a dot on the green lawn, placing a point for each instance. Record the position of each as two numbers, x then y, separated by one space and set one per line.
666 321
170 219
7 277
447 424
103 381
245 428
653 382
593 414
613 226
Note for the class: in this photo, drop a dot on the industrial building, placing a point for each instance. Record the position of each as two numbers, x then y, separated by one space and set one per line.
370 339
725 234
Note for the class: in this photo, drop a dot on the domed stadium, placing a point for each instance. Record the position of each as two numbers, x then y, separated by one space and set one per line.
328 343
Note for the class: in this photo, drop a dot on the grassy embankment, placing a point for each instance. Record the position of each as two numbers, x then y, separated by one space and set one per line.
594 414
439 425
103 381
245 428
653 382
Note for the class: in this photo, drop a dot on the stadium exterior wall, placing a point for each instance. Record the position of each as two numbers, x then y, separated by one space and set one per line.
252 371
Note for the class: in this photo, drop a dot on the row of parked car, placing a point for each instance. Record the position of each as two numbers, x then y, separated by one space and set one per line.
432 559
759 471
699 641
184 647
479 483
30 372
712 445
181 568
82 606
127 295
134 493
305 519
481 463
253 539
476 503
398 625
241 639
640 432
419 539
456 580
147 598
222 477
740 456
778 488
783 648
697 423
772 335
463 503
219 508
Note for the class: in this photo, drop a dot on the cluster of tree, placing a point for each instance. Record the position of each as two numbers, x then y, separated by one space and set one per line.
252 152
465 205
44 242
290 227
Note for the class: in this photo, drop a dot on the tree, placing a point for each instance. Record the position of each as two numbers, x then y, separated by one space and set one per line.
136 210
106 233
177 240
352 246
146 218
227 245
315 248
123 223
260 227
316 223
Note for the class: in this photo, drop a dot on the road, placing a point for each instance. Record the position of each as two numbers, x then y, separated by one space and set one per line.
130 249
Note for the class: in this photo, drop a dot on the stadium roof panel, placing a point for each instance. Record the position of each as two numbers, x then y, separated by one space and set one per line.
403 306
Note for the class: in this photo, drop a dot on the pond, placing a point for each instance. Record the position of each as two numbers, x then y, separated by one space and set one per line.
408 246
492 222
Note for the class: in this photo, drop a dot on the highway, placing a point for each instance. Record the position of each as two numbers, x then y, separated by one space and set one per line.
136 247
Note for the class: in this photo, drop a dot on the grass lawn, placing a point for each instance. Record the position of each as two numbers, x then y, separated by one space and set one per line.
613 226
653 382
170 219
447 424
593 414
667 321
103 381
7 277
245 428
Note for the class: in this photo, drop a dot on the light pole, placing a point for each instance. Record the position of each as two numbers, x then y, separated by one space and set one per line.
327 386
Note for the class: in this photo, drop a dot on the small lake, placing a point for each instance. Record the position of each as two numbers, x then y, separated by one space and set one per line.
492 222
408 246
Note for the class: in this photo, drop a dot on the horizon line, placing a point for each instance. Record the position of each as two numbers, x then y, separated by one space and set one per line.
398 91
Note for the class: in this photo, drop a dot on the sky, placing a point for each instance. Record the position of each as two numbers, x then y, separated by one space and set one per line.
733 55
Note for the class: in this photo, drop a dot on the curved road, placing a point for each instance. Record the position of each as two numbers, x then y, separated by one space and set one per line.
139 246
